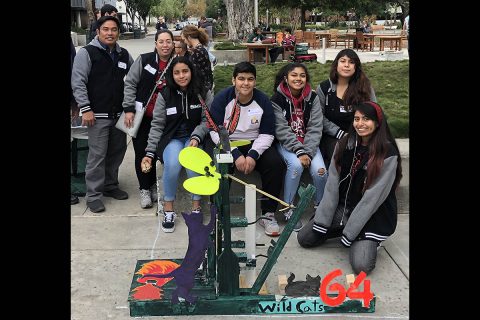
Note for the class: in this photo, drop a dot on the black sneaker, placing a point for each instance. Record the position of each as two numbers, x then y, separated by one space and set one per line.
168 224
96 206
116 194
74 199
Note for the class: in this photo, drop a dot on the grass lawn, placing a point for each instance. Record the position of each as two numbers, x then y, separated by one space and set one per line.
389 80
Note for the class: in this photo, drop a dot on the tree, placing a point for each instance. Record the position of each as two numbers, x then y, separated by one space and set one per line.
239 18
144 7
302 5
169 9
215 8
90 14
195 8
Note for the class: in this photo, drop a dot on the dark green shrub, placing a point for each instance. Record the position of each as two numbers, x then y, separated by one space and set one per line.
228 45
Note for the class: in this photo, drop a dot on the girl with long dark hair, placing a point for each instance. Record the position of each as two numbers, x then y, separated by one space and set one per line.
359 202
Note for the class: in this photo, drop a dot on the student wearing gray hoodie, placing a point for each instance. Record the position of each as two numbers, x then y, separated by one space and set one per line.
359 204
298 129
178 121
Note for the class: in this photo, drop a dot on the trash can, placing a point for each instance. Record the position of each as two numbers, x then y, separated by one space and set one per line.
136 33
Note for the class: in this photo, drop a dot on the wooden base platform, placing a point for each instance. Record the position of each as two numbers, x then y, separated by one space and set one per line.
154 299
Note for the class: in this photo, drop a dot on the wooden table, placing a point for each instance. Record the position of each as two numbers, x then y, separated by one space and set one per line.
323 34
394 41
251 49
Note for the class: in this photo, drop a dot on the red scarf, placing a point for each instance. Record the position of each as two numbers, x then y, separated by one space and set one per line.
151 104
296 121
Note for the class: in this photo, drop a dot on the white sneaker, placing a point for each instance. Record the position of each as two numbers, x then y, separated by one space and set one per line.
271 226
153 193
145 199
168 224
298 225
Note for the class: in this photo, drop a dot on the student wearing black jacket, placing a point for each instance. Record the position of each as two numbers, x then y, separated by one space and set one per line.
142 85
178 122
359 202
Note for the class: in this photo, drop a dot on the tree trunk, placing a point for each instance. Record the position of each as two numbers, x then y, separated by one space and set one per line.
302 17
239 18
89 6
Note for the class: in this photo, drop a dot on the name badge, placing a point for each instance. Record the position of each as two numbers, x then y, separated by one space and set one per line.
122 65
252 112
150 69
342 109
171 111
195 106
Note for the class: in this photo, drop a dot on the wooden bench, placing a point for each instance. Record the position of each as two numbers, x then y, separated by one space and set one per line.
221 35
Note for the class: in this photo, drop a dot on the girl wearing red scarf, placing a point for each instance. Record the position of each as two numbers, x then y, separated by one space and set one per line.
298 129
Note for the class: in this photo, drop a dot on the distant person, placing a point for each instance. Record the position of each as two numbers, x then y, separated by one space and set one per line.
178 122
181 48
143 83
93 25
288 41
257 36
161 24
247 114
359 203
108 10
197 40
97 83
298 129
347 85
208 26
366 28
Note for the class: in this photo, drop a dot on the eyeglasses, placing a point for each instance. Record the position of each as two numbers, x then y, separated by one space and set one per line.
169 42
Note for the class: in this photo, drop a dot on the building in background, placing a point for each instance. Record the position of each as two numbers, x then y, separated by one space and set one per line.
79 15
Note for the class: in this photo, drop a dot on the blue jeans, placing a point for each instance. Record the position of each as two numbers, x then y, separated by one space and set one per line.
172 167
294 173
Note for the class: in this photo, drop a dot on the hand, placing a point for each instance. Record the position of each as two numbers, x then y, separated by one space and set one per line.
88 119
129 116
193 143
240 163
305 160
249 164
146 164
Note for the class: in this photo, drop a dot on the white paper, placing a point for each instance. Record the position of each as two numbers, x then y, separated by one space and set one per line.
138 106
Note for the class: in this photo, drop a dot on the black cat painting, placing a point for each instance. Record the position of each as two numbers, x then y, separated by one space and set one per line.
302 288
198 242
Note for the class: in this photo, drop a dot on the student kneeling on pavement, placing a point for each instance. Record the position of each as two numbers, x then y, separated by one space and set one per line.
359 202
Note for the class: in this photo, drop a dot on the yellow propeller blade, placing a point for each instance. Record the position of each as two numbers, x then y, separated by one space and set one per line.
239 143
202 185
197 160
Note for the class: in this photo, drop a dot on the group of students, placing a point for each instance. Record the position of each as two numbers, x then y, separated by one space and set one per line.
355 170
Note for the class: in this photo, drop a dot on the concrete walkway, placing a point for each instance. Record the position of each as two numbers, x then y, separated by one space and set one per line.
105 248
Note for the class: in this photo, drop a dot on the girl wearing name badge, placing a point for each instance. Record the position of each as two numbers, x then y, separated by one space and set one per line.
142 85
347 85
178 122
359 203
298 129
